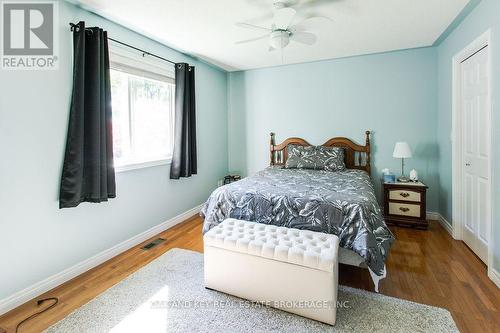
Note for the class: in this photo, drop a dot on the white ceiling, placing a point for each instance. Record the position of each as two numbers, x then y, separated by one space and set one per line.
206 28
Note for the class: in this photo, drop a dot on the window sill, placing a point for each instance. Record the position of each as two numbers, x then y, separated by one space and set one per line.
142 165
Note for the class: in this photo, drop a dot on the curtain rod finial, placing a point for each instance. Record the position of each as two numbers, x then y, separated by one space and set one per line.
74 27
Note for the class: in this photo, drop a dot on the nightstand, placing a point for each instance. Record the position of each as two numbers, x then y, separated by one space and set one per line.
405 204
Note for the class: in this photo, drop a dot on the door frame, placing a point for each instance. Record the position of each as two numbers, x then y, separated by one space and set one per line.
456 137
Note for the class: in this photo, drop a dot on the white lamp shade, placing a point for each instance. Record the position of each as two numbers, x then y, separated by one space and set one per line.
402 150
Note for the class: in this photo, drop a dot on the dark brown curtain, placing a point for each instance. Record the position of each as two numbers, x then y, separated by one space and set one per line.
184 159
88 173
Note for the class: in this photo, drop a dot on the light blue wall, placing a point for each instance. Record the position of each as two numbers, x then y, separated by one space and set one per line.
36 238
485 16
392 94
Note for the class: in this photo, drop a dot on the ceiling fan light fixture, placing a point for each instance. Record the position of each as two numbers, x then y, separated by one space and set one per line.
279 39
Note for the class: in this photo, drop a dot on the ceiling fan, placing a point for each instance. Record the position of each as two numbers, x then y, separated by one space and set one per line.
282 31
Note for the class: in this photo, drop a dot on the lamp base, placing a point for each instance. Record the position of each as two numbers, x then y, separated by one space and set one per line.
403 179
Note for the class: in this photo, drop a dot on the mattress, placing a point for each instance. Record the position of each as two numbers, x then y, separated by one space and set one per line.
342 203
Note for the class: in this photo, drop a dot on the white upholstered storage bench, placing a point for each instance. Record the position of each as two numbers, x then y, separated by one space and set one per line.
291 269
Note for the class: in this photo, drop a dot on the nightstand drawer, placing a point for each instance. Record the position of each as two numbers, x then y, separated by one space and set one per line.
405 195
402 209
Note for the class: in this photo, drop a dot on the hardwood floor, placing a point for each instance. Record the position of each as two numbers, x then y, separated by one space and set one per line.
424 266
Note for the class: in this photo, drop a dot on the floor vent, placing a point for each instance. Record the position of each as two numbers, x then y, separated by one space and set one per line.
152 244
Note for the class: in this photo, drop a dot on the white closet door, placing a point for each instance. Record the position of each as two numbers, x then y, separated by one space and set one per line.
476 152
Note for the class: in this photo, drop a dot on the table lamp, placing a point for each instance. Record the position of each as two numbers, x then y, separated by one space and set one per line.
402 150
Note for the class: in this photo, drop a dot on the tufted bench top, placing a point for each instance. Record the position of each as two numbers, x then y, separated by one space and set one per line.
301 247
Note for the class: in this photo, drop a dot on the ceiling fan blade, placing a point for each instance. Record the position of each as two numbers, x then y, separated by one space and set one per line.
306 38
283 17
252 26
310 23
251 39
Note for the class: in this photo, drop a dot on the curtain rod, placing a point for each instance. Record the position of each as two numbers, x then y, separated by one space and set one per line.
74 26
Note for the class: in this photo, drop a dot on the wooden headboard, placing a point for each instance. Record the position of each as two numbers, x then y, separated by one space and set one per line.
356 156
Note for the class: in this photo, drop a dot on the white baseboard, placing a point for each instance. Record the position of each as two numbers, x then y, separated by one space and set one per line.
55 280
435 216
494 276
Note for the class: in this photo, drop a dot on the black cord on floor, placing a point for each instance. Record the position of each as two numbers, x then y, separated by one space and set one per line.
39 302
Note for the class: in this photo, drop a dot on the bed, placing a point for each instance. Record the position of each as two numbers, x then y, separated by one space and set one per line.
335 202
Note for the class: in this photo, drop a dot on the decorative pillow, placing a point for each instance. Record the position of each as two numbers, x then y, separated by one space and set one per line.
332 158
315 157
300 157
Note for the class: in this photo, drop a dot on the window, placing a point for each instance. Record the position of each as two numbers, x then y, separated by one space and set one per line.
143 110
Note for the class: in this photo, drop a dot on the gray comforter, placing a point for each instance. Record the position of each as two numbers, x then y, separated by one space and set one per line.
342 203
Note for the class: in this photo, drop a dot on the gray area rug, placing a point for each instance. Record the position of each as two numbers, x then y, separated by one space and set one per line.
168 295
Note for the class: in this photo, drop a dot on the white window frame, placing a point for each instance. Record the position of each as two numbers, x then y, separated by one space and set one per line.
136 63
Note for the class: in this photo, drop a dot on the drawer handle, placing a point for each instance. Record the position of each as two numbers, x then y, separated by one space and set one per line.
404 194
404 209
